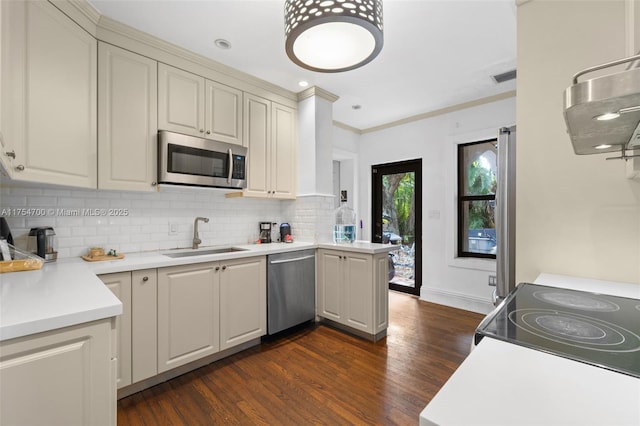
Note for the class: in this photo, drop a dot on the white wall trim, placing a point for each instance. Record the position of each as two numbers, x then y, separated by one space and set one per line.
456 300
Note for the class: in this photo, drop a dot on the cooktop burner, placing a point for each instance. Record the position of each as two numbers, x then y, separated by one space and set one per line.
597 329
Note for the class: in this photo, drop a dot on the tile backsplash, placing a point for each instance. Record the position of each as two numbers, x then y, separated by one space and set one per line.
134 222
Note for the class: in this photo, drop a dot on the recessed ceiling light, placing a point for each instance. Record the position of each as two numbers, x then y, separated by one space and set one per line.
223 44
607 116
356 107
303 83
603 146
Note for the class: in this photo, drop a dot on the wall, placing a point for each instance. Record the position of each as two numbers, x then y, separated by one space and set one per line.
576 215
446 280
145 225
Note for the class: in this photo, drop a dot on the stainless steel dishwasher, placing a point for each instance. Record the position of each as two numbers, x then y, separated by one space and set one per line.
291 294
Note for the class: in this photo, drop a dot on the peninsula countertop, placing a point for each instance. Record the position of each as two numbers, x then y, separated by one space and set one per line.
69 292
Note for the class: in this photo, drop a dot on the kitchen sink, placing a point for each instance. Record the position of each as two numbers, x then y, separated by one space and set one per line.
204 252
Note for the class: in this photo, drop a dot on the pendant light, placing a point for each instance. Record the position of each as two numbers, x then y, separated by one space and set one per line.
333 35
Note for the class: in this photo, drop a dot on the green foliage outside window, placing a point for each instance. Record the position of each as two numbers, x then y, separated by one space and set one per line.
482 181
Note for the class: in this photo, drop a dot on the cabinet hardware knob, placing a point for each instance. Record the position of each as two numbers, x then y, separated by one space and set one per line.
208 132
20 167
11 154
217 268
154 183
201 130
224 267
145 279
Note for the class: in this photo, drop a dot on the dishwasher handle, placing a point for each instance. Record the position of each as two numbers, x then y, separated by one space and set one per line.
295 259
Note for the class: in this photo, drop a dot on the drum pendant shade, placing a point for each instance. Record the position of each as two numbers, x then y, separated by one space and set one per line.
333 35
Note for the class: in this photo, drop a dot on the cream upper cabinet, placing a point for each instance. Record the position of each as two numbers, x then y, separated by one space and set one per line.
352 290
283 152
120 285
243 301
192 105
127 125
49 95
188 323
60 377
271 141
223 113
180 101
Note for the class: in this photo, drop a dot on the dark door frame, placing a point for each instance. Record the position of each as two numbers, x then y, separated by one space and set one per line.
377 171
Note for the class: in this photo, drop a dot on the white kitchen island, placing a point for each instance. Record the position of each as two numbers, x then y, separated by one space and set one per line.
502 383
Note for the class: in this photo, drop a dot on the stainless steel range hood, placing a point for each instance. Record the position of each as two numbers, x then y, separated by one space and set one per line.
603 113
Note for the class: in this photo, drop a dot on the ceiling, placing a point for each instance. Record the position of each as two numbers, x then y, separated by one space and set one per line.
436 54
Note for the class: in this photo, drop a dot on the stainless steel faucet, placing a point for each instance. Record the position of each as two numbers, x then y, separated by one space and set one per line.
196 238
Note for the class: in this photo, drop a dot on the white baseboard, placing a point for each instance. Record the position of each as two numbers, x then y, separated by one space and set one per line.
456 300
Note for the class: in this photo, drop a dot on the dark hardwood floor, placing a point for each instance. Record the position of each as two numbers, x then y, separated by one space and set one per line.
319 376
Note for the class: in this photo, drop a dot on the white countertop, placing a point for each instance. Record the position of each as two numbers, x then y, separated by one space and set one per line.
360 247
502 383
68 292
505 384
58 295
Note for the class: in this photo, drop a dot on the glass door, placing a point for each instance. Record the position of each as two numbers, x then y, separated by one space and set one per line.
397 219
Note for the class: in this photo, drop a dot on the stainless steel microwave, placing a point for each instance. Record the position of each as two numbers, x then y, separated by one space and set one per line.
188 160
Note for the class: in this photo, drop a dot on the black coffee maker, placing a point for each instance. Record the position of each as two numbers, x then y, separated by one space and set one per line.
265 232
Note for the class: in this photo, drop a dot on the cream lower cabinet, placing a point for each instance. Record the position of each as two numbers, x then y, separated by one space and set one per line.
243 301
136 329
270 136
188 316
352 290
127 120
49 95
60 377
204 308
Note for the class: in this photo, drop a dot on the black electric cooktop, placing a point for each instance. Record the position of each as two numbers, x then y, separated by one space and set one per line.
597 329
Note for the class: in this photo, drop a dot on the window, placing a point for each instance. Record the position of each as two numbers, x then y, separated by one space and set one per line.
477 167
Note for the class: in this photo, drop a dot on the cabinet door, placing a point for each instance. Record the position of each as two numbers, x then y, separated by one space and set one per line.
330 284
5 160
62 377
257 125
51 95
358 288
180 101
243 301
144 324
120 285
188 325
223 113
128 119
283 152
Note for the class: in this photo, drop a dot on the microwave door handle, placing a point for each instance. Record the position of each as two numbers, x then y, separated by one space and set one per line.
230 166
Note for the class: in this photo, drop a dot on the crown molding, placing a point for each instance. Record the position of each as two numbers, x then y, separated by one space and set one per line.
347 127
317 91
442 111
114 32
81 12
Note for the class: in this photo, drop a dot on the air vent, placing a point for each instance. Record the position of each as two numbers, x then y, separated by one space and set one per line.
505 76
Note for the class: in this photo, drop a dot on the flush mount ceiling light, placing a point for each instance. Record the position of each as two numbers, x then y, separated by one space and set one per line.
333 35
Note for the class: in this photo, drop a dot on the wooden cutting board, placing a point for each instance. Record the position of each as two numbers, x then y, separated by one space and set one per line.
104 257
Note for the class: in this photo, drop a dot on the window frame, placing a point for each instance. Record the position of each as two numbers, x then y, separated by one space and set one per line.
461 199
